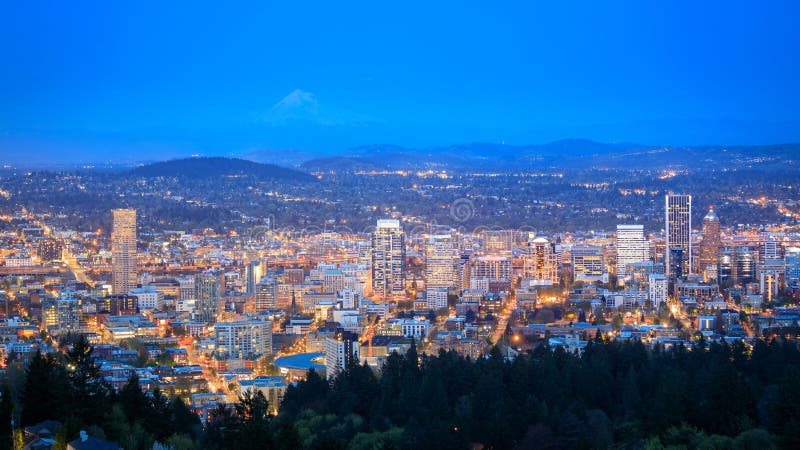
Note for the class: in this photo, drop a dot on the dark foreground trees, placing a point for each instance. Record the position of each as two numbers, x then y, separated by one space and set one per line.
617 395
68 388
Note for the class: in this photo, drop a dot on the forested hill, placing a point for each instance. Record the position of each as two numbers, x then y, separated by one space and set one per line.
218 166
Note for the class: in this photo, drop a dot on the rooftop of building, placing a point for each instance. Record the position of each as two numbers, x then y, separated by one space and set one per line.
301 361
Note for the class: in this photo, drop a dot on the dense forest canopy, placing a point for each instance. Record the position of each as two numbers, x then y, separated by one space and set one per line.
616 395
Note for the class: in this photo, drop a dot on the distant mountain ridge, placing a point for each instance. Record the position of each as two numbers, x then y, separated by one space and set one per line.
208 167
281 157
339 163
483 155
564 154
567 153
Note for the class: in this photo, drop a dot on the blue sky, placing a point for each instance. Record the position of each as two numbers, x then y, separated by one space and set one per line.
104 80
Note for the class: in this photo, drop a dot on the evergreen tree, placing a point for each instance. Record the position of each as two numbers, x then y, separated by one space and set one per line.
133 401
222 429
630 394
307 394
287 437
182 419
89 391
158 416
253 415
785 412
46 394
6 416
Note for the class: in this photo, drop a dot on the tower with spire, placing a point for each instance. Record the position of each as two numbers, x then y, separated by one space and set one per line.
709 246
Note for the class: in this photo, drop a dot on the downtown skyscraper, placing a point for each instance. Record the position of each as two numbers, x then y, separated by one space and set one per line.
388 259
632 247
439 262
541 262
123 250
678 233
709 246
439 269
210 287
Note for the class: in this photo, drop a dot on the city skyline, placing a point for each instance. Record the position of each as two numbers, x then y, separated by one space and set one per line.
226 318
407 226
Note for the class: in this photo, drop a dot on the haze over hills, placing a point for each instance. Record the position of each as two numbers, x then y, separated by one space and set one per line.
503 157
340 163
561 154
217 167
566 154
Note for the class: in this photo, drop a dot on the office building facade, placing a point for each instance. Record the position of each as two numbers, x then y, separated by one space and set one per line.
388 260
123 250
632 247
678 233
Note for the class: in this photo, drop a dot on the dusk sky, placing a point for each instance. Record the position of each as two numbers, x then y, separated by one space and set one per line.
102 81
